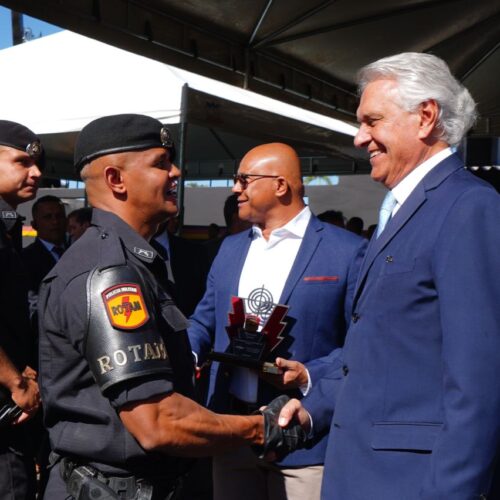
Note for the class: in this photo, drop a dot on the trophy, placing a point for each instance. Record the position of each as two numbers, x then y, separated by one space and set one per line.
249 347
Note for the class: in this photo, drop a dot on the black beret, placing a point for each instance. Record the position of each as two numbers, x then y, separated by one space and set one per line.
17 136
120 133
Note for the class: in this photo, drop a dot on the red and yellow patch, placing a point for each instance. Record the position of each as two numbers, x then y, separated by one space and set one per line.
125 306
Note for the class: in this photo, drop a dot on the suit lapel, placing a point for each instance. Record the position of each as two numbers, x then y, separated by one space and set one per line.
48 259
409 207
310 242
236 266
412 204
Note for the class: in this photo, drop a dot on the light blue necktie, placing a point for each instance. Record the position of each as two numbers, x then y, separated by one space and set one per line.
57 251
385 211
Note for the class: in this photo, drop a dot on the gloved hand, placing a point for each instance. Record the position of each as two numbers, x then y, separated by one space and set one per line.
281 441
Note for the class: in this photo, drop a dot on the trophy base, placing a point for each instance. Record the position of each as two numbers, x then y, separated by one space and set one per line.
231 359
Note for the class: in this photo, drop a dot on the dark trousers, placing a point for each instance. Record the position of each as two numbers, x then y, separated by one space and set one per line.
56 487
17 475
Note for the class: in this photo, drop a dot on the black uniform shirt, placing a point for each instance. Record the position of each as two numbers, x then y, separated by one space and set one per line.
15 334
82 417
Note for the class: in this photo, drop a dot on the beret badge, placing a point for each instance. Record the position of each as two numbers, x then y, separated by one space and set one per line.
166 138
34 149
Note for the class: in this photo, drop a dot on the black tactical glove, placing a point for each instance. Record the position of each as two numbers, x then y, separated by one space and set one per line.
281 441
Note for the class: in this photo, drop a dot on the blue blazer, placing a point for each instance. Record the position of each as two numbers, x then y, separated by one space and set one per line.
319 311
38 261
417 412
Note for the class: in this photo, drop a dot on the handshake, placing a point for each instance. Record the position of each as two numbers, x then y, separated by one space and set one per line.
280 441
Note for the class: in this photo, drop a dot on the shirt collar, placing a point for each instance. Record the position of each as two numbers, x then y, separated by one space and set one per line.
131 239
294 227
408 184
47 244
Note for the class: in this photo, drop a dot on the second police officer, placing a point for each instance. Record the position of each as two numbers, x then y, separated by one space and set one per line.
21 162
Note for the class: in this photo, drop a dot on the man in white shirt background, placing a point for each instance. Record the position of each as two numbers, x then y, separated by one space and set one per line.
288 257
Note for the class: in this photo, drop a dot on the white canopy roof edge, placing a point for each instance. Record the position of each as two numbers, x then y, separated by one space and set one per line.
63 97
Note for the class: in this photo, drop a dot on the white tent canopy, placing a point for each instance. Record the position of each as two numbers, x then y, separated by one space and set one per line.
57 84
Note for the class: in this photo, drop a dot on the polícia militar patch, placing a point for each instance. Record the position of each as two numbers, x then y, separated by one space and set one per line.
125 306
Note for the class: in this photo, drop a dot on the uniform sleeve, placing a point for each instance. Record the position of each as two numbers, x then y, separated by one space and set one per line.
320 402
63 327
124 336
467 261
135 390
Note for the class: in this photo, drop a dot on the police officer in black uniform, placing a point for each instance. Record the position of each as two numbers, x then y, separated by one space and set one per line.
116 368
21 158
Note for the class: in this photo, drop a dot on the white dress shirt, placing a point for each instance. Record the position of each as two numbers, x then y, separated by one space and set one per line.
405 187
269 262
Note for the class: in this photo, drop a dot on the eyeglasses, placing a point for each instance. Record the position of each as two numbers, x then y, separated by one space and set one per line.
243 178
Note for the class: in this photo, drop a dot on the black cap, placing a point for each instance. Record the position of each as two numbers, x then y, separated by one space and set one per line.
17 136
120 133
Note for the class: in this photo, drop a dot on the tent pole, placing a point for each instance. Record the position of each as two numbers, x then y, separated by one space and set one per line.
17 27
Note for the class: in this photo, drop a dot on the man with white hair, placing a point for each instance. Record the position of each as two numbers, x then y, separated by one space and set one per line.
416 414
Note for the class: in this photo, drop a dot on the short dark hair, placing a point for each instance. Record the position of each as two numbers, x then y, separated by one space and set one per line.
355 224
230 208
332 217
82 215
49 198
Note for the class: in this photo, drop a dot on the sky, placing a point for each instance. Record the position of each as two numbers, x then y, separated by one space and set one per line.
37 27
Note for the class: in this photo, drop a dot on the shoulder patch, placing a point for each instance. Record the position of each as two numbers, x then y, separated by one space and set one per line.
125 306
9 214
141 252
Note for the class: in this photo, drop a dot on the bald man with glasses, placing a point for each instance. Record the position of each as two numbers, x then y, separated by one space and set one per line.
290 258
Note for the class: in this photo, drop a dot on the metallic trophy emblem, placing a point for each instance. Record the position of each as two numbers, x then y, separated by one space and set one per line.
249 345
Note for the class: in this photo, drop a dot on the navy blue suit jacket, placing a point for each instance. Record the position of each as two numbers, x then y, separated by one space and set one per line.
417 413
320 310
38 261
